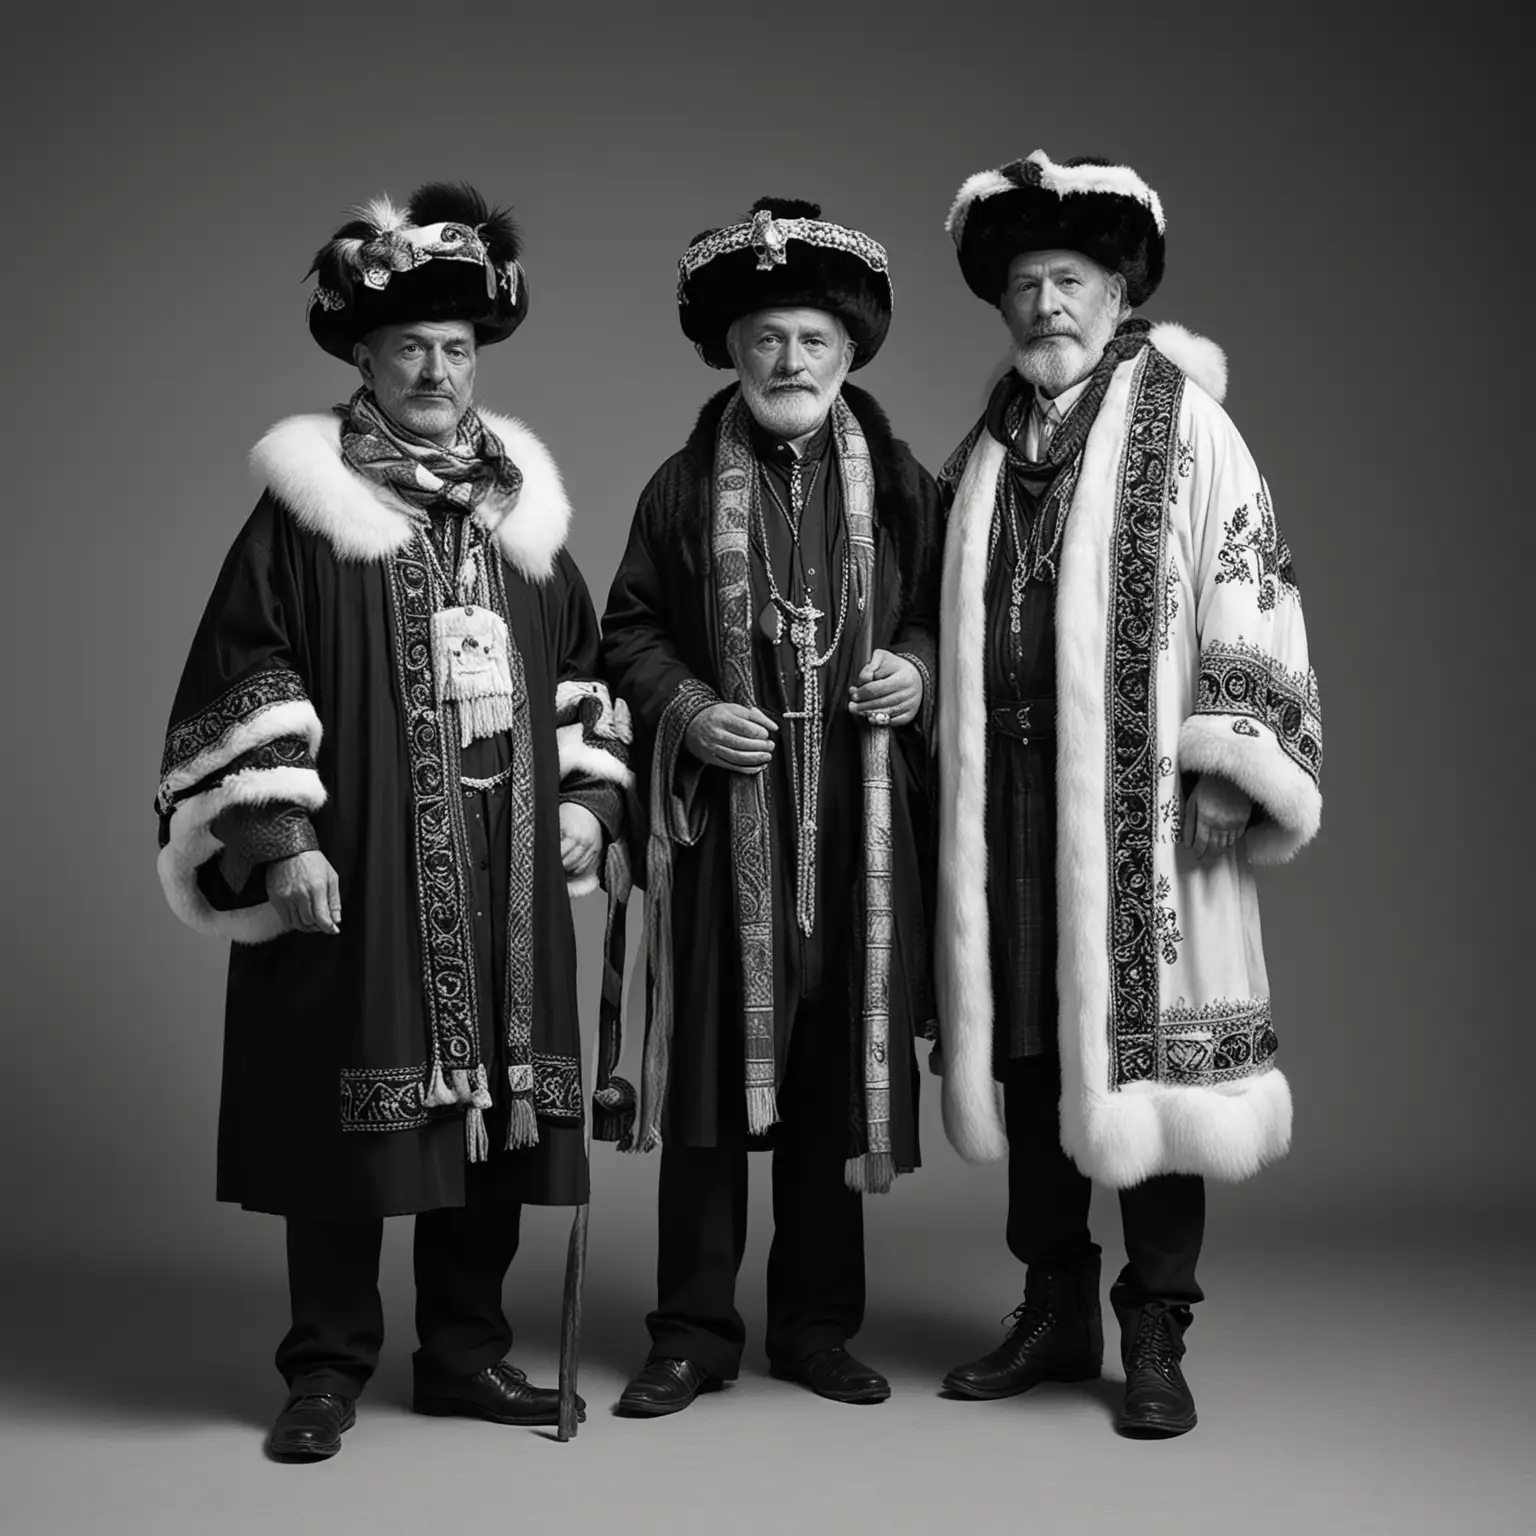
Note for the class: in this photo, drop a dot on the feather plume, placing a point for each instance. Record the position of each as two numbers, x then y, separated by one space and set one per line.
456 202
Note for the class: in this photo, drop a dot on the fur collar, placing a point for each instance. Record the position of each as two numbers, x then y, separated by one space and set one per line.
1197 357
300 462
902 488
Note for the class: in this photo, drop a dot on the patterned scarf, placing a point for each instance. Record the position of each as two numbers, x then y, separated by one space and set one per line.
474 471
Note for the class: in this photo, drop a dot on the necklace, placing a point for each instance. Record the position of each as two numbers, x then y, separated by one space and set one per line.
806 723
1033 559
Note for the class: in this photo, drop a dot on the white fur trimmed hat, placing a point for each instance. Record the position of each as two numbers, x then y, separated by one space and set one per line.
1086 204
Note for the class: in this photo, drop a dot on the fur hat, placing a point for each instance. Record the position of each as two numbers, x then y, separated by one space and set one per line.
447 256
1105 211
783 256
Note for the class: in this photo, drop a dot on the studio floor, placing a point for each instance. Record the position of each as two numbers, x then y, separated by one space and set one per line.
1351 1387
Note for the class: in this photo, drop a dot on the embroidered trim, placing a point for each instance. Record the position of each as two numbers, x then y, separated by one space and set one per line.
1254 551
1222 1042
382 1098
1135 593
557 1086
737 237
439 840
200 733
1240 679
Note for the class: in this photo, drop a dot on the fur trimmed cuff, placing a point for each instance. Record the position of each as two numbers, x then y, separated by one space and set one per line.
287 714
191 843
594 733
1248 753
1226 1132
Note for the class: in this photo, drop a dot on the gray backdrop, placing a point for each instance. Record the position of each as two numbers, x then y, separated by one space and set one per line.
1339 196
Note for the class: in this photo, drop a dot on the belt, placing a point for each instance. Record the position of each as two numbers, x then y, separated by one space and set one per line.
1025 720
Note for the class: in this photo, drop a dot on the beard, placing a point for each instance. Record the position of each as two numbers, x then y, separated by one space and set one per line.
790 413
1062 358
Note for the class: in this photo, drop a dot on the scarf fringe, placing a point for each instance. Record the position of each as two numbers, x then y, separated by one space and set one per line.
522 1124
483 717
477 1144
872 1173
762 1110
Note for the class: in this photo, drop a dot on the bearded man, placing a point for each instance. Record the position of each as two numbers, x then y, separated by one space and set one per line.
1129 724
772 629
390 708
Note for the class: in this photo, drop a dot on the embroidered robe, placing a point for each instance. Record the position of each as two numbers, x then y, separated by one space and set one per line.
1180 649
309 685
660 650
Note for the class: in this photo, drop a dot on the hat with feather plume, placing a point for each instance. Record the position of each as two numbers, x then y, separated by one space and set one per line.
783 255
447 255
1086 204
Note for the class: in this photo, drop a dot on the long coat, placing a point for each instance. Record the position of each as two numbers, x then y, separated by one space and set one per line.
1181 649
307 684
660 649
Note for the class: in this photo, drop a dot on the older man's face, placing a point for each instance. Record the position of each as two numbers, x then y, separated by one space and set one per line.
1061 309
422 374
791 363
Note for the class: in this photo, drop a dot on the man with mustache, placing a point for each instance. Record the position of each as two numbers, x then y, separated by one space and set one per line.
772 628
1128 725
388 762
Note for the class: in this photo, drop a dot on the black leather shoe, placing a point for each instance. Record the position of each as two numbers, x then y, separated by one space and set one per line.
1158 1403
834 1373
310 1427
500 1393
1055 1334
665 1386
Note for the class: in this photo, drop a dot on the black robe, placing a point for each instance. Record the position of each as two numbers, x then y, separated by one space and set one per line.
660 634
294 692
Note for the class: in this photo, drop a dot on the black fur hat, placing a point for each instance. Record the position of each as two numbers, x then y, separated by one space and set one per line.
782 256
1105 211
446 256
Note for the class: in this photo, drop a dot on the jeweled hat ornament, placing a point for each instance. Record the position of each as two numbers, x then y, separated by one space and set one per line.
1105 211
783 255
446 256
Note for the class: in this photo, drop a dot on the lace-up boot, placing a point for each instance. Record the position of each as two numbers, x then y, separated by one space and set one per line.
1055 1334
1158 1403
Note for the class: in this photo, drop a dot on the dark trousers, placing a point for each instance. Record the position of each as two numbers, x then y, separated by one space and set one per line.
461 1259
816 1261
1163 1219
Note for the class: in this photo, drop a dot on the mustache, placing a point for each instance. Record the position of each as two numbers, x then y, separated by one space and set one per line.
1040 335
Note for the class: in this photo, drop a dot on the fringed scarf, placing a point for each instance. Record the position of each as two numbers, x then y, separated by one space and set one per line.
732 513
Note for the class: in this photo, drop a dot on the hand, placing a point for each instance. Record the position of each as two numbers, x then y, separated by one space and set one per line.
732 736
581 840
306 893
888 691
1215 816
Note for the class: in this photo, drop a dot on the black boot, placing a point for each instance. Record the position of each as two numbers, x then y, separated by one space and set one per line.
1158 1402
1056 1334
310 1427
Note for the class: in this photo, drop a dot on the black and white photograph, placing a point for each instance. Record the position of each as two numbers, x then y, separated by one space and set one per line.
674 861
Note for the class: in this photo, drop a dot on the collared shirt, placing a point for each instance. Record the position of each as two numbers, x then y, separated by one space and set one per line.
1047 416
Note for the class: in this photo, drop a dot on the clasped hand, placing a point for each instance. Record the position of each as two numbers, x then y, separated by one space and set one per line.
888 691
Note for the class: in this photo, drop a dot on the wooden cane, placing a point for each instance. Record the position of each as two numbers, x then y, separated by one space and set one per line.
570 1317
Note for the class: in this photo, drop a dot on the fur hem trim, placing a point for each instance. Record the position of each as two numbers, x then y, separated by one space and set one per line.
1116 180
1195 356
577 755
1258 766
297 717
1225 1132
962 960
299 461
192 843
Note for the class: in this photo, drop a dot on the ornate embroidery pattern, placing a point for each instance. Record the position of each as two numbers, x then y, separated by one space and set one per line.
519 979
1168 936
1170 609
437 822
1220 1043
1240 679
1254 551
190 738
1136 554
1170 811
557 1086
382 1098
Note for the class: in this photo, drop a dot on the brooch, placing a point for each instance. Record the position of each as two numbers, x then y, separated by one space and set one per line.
768 240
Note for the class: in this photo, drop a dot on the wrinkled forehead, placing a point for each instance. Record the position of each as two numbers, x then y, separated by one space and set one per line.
426 331
1053 264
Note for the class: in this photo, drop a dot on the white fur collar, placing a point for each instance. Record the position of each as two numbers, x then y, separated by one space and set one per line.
300 462
1197 357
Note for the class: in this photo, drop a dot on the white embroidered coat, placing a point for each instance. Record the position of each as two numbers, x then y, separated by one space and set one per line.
1180 649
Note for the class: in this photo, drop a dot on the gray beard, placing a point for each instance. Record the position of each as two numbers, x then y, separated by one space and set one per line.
1055 368
788 415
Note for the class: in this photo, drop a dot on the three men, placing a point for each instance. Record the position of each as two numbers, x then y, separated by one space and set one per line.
1128 724
772 629
388 760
